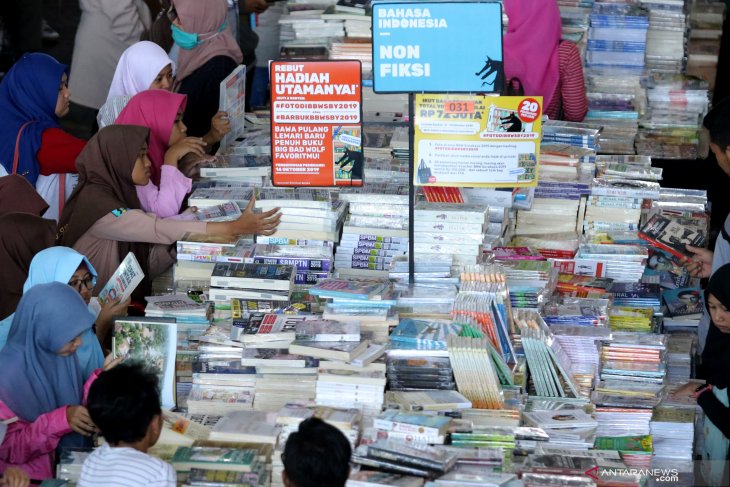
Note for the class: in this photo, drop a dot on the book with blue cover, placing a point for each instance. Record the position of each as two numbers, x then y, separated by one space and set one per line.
684 301
426 333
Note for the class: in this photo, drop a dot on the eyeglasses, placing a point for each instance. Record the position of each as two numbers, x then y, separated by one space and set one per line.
172 13
88 283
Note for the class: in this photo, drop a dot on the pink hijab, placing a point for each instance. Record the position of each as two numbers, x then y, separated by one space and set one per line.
205 17
531 46
156 110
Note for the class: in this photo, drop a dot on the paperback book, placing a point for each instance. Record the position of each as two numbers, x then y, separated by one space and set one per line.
253 276
123 282
674 234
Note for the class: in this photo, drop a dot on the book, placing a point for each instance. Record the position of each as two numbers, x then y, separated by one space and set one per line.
232 166
359 7
232 98
328 331
152 341
123 282
230 459
253 276
260 327
684 301
245 426
275 357
674 234
344 351
352 288
225 212
415 423
374 478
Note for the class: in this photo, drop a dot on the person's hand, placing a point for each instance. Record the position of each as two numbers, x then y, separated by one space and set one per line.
112 308
256 223
700 265
110 362
254 6
14 477
79 420
196 145
701 390
220 125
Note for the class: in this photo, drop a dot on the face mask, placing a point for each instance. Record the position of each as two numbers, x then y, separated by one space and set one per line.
188 40
185 40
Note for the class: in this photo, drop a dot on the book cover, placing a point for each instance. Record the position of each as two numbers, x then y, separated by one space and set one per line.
232 459
152 342
684 301
361 289
123 282
232 98
257 276
344 351
328 331
674 234
225 212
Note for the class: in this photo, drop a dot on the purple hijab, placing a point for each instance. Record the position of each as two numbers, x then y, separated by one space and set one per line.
35 379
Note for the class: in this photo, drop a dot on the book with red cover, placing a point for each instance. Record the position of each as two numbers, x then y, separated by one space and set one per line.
674 234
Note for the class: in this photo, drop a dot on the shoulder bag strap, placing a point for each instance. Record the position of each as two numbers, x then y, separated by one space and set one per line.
16 154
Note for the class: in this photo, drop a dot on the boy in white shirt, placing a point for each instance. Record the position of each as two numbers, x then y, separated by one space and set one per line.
124 403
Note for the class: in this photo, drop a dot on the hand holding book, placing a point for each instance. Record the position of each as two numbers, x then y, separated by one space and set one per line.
700 265
249 222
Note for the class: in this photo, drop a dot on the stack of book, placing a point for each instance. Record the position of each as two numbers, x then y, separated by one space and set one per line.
414 368
254 170
300 28
670 129
452 229
312 262
221 387
307 214
197 254
271 282
581 344
376 230
178 306
636 451
411 459
412 427
572 429
210 460
351 387
622 263
665 40
673 433
634 356
681 349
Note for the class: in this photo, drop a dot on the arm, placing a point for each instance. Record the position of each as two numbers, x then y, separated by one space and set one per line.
715 411
87 385
58 152
26 441
166 200
138 226
573 90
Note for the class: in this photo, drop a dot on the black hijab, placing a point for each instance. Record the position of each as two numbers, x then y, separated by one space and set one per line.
716 355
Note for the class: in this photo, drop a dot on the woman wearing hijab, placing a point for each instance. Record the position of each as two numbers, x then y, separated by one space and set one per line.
46 387
146 66
65 265
34 94
161 112
536 58
18 196
208 54
143 66
103 219
713 397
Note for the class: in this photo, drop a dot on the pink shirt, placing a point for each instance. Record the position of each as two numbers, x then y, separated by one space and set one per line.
166 200
30 446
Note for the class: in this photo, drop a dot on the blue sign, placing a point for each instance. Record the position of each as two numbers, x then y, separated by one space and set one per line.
437 47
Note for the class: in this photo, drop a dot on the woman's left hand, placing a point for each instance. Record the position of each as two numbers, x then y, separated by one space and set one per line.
14 477
701 390
110 362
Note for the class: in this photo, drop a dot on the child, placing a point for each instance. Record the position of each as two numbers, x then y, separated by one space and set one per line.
124 404
318 455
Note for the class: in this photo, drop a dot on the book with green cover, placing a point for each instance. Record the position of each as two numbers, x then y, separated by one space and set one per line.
624 443
213 458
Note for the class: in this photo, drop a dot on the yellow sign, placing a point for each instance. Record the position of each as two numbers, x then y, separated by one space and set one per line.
477 141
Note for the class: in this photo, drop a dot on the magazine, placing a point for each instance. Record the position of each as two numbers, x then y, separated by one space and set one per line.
674 234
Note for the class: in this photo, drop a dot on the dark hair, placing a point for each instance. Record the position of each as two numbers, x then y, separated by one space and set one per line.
318 455
717 121
123 401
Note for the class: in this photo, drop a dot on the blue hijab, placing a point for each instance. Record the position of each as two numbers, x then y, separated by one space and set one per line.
35 379
58 264
28 92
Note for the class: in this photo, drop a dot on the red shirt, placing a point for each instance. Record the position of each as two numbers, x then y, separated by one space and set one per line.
58 152
569 100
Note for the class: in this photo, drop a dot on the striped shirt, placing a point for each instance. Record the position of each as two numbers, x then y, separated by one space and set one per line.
125 467
569 100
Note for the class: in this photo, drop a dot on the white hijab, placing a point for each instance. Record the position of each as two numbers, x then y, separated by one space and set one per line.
138 67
